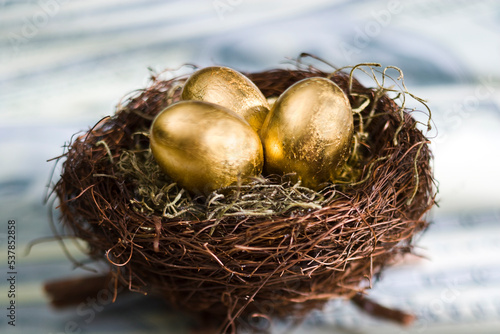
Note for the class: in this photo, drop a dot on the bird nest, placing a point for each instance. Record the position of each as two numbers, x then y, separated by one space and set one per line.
268 248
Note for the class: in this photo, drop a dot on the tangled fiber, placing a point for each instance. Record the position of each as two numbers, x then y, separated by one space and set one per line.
271 248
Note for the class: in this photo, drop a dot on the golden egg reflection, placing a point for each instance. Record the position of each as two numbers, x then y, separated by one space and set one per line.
204 147
230 89
308 131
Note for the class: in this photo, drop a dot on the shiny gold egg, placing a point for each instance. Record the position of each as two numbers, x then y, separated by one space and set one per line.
204 147
308 131
271 100
230 89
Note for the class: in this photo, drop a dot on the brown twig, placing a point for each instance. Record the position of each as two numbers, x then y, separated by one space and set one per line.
379 311
73 291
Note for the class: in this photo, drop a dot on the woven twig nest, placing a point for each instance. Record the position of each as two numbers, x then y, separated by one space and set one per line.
268 248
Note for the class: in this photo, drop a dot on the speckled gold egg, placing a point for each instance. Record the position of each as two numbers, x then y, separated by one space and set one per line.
308 132
204 146
230 89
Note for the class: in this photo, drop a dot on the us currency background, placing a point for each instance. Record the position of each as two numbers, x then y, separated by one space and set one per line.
66 64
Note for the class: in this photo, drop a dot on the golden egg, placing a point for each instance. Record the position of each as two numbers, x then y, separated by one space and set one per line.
204 146
271 100
308 132
230 89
